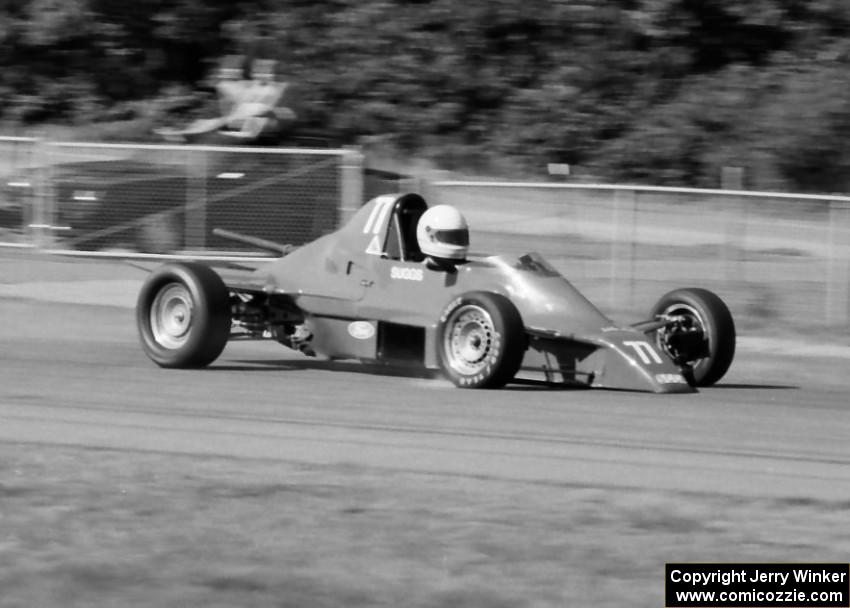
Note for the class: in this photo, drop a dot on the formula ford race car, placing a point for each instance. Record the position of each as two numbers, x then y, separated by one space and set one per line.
367 292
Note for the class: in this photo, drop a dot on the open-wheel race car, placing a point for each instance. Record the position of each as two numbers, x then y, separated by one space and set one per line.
394 286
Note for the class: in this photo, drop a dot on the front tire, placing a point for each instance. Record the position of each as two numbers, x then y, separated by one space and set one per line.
480 340
701 338
183 316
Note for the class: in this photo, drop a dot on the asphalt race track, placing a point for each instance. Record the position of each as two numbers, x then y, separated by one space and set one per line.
75 375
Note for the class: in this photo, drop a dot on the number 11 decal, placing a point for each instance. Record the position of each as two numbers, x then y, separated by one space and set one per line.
644 351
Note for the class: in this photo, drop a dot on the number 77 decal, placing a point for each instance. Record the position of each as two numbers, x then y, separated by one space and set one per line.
643 350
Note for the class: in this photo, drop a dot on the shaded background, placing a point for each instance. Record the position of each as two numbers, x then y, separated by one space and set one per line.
664 92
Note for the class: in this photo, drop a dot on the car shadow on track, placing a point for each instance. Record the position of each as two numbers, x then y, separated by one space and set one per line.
375 369
762 387
402 371
256 365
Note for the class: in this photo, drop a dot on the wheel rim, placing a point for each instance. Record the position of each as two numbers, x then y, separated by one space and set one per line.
468 340
171 316
690 319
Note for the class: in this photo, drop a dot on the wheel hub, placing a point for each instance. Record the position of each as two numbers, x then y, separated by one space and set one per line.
469 340
171 316
684 339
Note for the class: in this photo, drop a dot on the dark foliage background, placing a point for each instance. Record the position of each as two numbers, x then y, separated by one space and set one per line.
653 91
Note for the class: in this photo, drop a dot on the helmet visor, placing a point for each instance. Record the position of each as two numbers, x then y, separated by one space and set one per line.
458 236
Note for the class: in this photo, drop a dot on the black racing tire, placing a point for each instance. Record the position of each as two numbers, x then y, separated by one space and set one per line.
481 340
702 310
183 315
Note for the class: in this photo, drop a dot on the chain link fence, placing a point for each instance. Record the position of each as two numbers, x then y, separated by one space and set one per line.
169 199
778 259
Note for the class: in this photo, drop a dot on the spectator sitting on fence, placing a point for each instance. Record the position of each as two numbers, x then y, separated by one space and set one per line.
249 108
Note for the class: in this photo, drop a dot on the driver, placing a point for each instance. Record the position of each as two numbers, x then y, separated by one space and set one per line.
443 236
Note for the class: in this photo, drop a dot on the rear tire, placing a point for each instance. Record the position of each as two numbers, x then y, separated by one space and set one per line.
703 311
183 316
480 340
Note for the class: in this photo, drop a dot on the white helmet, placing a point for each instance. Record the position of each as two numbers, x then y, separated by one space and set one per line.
443 233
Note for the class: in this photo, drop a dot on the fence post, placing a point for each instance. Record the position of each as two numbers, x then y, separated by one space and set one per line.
624 218
735 227
351 184
30 202
16 162
196 200
44 200
838 264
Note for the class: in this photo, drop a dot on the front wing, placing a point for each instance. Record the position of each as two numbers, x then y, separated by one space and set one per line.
615 358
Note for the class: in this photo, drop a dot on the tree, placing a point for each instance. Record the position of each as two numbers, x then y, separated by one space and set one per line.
662 91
